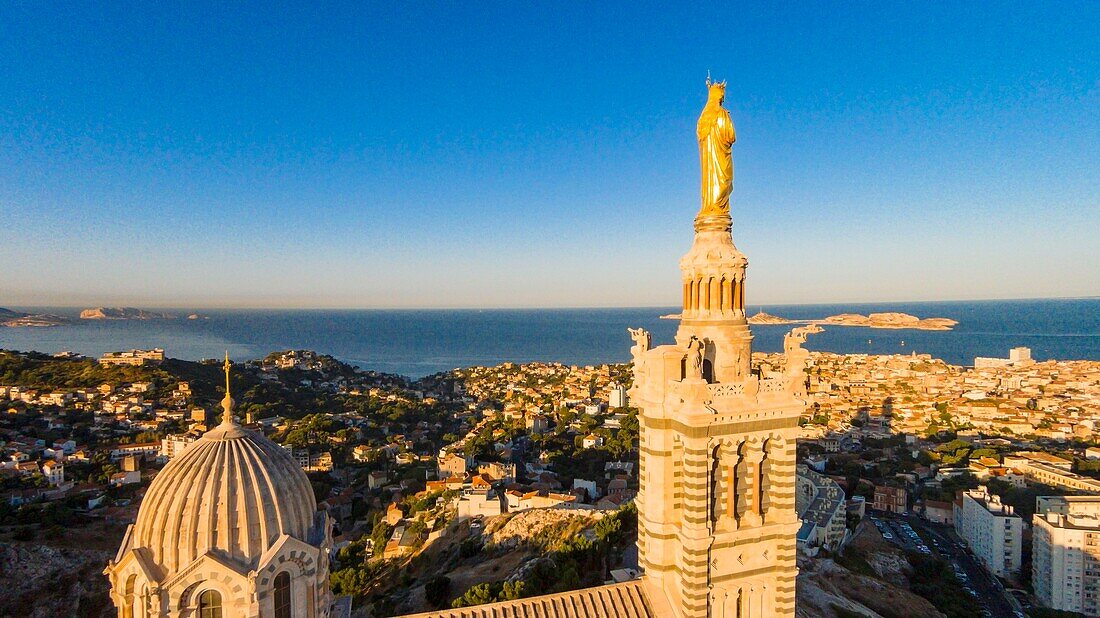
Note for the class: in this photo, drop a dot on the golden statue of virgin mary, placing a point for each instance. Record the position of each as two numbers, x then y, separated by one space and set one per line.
716 137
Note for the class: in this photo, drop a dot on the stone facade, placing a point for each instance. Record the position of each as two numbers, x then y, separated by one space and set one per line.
716 509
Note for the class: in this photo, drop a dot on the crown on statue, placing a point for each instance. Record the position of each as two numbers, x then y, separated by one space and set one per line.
716 85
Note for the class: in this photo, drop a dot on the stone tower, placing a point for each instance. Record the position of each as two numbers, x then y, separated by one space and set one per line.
716 516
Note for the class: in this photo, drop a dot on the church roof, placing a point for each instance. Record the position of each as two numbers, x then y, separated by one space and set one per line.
232 492
626 600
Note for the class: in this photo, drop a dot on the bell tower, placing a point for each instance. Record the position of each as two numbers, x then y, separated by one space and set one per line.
716 506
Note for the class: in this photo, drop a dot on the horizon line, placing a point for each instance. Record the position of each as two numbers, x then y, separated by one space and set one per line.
760 306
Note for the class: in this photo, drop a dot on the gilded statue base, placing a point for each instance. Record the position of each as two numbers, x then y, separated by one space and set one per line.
713 223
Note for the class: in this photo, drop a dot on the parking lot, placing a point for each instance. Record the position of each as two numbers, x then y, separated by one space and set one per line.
913 534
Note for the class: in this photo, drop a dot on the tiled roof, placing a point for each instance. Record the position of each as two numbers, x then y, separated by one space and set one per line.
625 600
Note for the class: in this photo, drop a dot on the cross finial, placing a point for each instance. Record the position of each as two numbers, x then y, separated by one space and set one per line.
227 403
226 366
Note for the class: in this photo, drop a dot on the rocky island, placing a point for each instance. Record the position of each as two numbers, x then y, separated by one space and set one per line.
766 318
889 320
16 319
873 320
122 313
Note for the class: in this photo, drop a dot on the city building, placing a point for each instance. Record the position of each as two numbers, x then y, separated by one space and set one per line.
537 423
939 512
1017 357
592 441
451 464
1050 470
991 529
617 397
230 527
1065 568
133 357
149 450
54 471
174 444
820 504
890 499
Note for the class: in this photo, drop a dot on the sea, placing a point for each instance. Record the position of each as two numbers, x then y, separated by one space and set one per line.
416 343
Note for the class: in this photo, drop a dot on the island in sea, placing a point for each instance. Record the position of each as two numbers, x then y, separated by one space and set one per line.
15 319
873 320
890 320
123 313
766 318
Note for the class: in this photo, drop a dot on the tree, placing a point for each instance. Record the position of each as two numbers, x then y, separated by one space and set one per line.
436 591
298 438
380 535
511 591
353 581
476 595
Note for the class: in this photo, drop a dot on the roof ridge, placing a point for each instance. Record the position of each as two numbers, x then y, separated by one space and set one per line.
620 600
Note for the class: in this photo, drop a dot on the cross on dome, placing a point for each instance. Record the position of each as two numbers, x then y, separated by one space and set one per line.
227 402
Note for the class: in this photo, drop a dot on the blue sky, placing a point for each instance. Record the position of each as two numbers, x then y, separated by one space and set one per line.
530 154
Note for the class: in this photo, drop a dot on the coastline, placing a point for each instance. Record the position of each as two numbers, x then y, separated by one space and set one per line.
420 342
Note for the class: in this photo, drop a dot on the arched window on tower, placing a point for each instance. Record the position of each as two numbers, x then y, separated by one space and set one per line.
766 450
128 607
715 484
210 604
282 595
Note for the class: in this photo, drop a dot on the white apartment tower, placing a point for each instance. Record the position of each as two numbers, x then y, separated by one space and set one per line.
616 397
1066 553
992 530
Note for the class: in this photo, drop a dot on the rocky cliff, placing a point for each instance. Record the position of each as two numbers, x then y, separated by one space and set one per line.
39 581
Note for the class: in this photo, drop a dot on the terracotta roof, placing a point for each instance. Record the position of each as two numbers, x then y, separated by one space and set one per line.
625 600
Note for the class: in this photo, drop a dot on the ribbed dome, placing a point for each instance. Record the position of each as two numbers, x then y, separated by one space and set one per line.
233 491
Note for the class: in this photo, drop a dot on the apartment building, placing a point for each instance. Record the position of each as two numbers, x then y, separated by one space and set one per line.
820 504
1066 553
992 530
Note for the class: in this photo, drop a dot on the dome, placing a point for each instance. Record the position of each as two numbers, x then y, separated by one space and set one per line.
232 491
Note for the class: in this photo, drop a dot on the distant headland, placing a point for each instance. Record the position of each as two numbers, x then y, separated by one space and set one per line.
123 313
16 319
